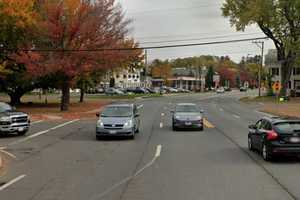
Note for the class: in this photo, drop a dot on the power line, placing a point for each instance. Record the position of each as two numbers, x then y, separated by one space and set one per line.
196 39
139 48
172 9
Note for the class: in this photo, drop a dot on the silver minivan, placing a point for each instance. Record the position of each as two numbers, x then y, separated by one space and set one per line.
118 120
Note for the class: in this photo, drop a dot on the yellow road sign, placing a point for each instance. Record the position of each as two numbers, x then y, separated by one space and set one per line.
276 87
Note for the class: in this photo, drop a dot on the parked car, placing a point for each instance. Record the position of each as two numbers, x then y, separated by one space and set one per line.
113 91
220 90
187 115
118 120
151 91
275 136
12 121
172 90
243 89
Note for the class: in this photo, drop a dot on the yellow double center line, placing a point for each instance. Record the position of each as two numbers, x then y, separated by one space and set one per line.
207 124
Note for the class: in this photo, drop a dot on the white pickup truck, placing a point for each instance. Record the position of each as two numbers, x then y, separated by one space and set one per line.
12 121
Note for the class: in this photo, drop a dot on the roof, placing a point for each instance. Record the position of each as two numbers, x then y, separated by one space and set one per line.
184 72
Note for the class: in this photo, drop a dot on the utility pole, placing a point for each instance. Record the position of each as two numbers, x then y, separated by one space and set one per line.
261 45
146 67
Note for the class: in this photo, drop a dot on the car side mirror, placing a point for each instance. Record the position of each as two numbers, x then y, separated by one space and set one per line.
201 111
137 115
98 114
252 126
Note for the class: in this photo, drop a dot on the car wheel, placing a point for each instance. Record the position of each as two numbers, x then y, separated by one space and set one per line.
201 129
174 127
250 145
98 137
267 156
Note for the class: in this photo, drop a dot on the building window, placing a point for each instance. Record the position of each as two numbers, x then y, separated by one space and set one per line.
129 76
137 76
117 76
124 76
275 71
133 76
296 71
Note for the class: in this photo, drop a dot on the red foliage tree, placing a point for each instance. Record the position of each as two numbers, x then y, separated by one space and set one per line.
227 74
77 31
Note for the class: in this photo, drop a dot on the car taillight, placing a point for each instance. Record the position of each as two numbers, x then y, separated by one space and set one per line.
272 135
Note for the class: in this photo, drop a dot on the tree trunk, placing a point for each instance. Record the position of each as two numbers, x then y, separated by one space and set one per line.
81 95
15 98
65 98
286 73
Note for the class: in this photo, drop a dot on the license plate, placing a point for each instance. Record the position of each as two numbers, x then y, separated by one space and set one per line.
112 132
295 139
21 129
188 123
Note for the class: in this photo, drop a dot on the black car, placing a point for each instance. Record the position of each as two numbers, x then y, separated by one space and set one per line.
275 136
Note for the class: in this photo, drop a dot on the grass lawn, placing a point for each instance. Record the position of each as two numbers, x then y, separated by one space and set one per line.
270 105
36 107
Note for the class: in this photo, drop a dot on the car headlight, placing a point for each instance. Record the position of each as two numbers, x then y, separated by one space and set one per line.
177 117
100 123
128 124
5 119
199 118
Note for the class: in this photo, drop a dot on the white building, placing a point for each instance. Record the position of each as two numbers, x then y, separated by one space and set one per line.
274 68
127 78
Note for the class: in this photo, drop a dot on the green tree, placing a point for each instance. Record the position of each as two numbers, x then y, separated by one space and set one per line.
278 19
210 77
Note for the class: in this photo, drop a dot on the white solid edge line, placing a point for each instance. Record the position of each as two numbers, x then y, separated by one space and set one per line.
36 122
125 180
12 182
41 133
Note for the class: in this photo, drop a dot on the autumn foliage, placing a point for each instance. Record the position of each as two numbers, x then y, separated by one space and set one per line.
74 37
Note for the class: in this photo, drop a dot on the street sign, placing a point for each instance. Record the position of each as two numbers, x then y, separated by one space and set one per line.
276 87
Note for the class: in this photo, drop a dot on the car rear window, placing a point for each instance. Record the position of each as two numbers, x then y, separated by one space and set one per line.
288 127
186 108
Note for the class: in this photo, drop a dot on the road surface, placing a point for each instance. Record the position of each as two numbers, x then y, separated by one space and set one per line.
62 160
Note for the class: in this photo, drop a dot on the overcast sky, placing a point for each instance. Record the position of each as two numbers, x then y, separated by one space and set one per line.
160 22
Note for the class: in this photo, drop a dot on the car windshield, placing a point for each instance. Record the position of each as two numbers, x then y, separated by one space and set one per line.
187 108
117 111
288 127
5 107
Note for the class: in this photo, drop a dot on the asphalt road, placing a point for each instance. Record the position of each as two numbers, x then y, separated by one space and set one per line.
62 160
